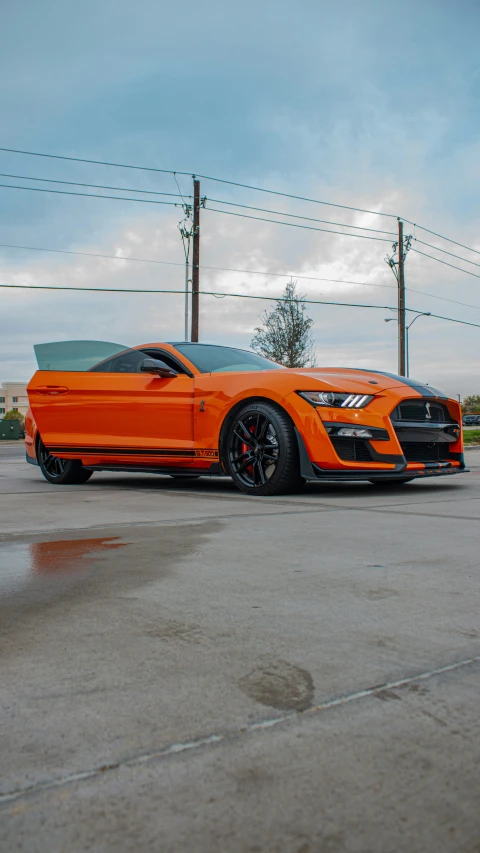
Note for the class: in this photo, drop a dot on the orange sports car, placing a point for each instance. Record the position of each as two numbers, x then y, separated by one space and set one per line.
191 410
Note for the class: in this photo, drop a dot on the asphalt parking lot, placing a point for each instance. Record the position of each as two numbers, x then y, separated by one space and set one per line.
185 668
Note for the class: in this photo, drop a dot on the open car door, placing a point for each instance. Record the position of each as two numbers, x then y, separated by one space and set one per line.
93 400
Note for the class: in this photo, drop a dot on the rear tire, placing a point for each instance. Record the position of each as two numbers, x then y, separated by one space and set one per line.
61 472
261 451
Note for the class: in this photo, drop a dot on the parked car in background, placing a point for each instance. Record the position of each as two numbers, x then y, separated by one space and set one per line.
471 420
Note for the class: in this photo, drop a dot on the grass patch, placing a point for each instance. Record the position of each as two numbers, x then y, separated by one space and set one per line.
471 436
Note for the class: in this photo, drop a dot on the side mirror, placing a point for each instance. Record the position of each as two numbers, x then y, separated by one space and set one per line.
157 367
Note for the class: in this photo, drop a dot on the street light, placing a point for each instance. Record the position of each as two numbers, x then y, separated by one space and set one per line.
421 314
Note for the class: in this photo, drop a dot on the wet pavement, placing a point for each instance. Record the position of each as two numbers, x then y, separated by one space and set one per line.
187 668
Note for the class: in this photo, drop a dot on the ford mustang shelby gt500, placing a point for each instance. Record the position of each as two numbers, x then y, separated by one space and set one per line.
190 410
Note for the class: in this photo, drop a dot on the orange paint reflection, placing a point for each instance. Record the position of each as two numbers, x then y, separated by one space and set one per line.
66 555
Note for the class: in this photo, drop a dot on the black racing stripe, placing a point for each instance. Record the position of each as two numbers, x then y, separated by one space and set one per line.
128 451
423 390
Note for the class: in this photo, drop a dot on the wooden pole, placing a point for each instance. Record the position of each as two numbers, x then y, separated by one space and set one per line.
196 260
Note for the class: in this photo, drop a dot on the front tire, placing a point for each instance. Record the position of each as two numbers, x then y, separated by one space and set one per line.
262 451
61 472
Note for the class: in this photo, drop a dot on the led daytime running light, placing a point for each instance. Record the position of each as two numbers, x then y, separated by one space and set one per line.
335 399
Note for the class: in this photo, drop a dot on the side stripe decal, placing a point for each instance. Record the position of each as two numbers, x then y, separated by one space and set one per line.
206 453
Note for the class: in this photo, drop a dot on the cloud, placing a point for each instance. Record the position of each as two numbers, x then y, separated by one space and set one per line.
358 337
309 100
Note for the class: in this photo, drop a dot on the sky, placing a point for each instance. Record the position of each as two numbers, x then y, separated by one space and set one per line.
371 105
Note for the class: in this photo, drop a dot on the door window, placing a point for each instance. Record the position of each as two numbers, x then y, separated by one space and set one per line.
129 361
168 358
76 356
99 357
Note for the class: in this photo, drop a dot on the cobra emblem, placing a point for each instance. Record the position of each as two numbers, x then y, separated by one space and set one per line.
428 416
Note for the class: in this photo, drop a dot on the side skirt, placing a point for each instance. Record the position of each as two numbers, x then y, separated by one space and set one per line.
214 470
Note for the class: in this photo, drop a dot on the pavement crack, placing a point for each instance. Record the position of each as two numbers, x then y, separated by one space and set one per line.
215 739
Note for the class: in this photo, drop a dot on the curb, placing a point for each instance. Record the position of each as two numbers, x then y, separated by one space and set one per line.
471 447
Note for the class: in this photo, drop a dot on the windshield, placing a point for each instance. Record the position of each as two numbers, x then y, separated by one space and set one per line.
212 359
78 355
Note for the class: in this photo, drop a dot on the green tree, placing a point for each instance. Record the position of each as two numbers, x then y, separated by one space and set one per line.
13 415
471 404
285 336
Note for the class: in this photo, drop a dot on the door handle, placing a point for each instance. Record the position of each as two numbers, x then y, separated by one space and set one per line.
52 390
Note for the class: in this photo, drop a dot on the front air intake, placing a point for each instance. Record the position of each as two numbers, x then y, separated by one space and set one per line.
419 451
421 411
352 449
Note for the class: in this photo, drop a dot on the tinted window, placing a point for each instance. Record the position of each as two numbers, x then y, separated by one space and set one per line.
170 361
129 361
212 359
76 355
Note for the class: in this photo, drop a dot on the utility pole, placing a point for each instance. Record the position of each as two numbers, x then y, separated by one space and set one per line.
398 268
187 282
196 259
402 334
186 235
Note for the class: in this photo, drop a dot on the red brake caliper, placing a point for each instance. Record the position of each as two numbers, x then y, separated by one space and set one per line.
246 448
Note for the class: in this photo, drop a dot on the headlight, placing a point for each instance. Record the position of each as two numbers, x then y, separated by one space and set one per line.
332 399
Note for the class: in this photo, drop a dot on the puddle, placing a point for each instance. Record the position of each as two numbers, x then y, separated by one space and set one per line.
33 565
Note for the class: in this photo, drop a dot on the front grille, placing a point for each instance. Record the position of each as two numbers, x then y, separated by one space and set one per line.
420 451
421 411
352 449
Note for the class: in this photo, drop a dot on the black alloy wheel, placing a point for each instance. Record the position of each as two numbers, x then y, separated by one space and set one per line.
262 451
61 472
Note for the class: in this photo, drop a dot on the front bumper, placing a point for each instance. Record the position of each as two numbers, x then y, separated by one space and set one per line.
374 474
399 471
396 450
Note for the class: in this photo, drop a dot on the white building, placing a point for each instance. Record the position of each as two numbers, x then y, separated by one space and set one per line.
13 395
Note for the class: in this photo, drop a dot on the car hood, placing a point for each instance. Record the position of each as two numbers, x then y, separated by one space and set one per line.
361 381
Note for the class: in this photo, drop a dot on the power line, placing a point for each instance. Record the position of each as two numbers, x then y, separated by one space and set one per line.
90 195
234 269
203 292
443 298
202 266
451 319
236 295
297 216
94 186
94 162
294 224
297 197
204 177
176 204
182 196
448 239
445 263
90 255
444 251
236 184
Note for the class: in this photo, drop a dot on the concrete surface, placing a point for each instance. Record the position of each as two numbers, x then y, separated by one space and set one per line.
186 668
